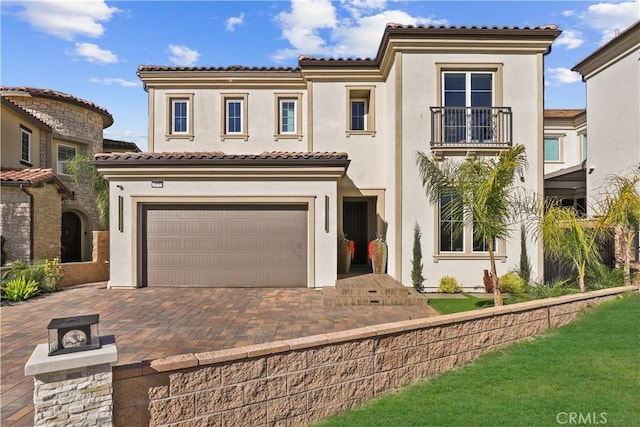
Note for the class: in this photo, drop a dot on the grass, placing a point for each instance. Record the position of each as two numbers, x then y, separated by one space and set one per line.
588 368
454 305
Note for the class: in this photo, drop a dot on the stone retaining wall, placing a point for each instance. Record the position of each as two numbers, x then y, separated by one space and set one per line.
298 381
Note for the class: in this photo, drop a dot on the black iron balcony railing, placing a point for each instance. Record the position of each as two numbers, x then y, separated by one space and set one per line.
471 126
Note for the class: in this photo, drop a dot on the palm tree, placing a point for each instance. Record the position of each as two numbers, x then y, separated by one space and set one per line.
481 191
82 169
619 212
568 236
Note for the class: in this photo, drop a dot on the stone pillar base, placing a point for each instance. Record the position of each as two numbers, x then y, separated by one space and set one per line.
73 388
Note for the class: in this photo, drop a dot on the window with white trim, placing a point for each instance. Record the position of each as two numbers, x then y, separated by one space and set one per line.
551 149
25 146
584 147
234 116
288 110
288 116
65 153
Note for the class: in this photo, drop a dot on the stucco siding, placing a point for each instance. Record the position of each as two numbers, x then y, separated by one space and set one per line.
322 243
11 137
613 122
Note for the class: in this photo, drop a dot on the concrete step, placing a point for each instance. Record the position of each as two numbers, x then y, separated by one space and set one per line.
371 290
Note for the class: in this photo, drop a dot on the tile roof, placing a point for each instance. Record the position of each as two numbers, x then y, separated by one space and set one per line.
119 145
227 68
30 177
54 94
219 155
563 113
18 109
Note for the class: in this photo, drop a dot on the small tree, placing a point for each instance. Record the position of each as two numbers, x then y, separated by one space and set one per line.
525 263
416 262
83 170
619 213
481 190
567 236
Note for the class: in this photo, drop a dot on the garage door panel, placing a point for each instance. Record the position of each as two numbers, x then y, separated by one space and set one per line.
227 246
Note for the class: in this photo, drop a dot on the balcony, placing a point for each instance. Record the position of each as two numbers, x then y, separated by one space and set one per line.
467 130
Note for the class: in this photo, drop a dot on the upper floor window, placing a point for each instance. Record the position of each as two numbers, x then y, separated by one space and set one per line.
451 225
288 116
584 147
468 98
25 150
551 149
361 110
234 120
180 115
65 153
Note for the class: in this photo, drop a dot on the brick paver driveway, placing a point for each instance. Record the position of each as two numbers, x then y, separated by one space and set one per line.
149 323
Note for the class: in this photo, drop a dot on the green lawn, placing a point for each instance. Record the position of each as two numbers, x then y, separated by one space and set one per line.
454 305
587 370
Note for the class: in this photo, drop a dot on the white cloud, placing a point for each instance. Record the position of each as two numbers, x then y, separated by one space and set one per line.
568 13
561 75
93 53
108 81
315 27
571 39
67 19
235 21
182 55
609 17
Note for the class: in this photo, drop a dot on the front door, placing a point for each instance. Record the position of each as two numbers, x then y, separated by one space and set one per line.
71 239
354 214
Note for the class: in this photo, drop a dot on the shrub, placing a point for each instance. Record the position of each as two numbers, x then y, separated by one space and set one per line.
555 289
22 269
525 263
53 275
20 289
416 262
512 283
599 276
449 285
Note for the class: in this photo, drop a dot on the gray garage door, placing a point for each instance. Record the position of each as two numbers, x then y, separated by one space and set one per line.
225 246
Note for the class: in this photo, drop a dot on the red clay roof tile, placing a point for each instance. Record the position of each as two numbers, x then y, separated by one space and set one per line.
31 177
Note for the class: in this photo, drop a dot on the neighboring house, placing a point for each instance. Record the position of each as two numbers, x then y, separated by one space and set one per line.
116 146
44 213
565 143
254 174
612 77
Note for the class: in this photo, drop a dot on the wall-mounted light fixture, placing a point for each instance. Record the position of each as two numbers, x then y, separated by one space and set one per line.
591 169
120 187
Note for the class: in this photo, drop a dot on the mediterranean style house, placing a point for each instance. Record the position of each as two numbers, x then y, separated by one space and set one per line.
44 213
254 174
565 157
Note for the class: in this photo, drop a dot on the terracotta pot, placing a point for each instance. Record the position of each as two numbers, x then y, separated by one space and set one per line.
344 257
378 256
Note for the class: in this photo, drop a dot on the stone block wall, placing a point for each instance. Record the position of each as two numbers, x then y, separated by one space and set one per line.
15 214
299 381
47 221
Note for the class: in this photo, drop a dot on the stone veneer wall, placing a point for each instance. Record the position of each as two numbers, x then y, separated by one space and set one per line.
299 381
15 220
96 270
65 118
75 397
47 221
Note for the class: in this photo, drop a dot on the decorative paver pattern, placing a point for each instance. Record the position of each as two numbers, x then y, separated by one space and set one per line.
151 323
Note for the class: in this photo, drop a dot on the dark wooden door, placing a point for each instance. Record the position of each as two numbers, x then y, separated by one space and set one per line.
354 224
71 239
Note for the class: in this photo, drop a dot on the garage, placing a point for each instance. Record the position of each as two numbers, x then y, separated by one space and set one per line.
224 245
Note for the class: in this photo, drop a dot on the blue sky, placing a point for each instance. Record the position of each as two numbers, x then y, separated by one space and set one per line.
92 48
